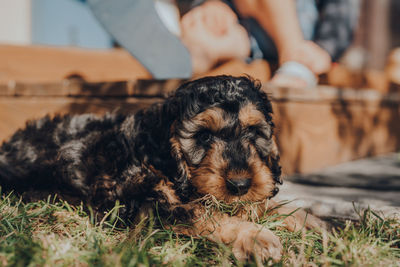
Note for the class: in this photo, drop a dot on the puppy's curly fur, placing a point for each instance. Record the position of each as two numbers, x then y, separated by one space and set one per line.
212 136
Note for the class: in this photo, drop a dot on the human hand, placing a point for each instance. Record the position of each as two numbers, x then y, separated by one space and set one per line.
212 34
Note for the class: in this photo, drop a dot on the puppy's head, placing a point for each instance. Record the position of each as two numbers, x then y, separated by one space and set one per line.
223 139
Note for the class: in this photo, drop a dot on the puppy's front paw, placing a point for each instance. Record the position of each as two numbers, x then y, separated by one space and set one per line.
253 238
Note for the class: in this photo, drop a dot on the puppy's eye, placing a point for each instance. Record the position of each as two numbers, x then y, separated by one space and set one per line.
204 136
252 129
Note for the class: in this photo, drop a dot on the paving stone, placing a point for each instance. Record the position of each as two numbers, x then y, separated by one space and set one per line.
343 190
382 173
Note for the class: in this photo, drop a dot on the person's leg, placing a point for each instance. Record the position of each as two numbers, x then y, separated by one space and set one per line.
279 19
136 26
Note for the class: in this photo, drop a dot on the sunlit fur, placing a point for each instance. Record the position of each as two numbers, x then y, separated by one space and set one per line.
229 139
210 174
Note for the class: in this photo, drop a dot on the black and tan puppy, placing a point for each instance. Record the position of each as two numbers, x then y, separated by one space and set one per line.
214 136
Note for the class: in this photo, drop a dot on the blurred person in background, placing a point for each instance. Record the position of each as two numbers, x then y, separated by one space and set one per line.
302 36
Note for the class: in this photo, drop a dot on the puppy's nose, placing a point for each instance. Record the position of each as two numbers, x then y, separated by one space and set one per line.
238 186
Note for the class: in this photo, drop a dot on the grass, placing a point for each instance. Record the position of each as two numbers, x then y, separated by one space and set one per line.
53 233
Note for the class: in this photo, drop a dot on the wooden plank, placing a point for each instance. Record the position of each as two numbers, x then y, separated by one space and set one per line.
42 64
315 135
343 77
330 94
157 88
134 87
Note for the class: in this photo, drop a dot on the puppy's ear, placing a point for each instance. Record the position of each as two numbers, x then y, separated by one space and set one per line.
273 162
183 171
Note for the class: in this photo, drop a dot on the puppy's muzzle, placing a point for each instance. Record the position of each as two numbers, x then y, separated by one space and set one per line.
238 186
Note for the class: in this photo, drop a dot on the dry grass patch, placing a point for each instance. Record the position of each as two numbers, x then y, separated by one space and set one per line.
53 233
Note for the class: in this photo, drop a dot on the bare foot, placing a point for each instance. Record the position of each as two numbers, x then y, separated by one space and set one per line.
292 74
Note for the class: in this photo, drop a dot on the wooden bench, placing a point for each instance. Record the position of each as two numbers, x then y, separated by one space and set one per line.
315 128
